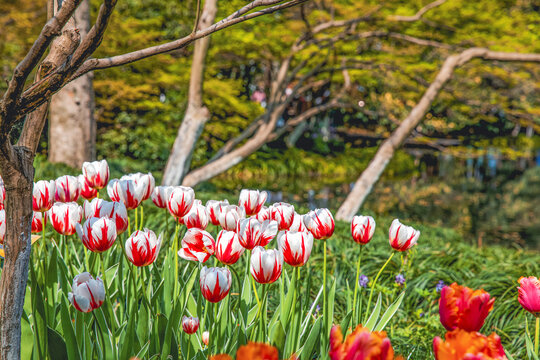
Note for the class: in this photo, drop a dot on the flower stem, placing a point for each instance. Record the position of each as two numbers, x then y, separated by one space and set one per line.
354 317
325 310
175 254
536 335
142 217
375 283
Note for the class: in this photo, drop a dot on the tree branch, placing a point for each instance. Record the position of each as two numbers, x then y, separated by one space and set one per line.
419 14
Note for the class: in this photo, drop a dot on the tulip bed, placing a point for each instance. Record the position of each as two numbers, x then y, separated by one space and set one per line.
124 291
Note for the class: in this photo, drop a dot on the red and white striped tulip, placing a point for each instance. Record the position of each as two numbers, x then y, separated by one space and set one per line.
252 232
43 195
2 225
298 223
142 247
197 217
97 234
402 237
283 213
87 192
127 192
264 214
190 324
252 201
2 193
266 265
161 195
230 216
67 189
205 337
38 220
96 173
197 245
362 229
65 216
110 209
320 223
144 181
214 209
87 293
228 247
180 201
295 246
215 283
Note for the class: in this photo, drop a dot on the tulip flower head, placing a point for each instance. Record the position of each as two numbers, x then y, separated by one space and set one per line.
197 217
529 294
43 195
251 232
362 228
205 337
215 283
3 225
87 192
142 247
111 209
2 193
145 181
65 216
190 324
214 209
264 214
228 247
283 213
295 246
461 345
86 293
360 344
96 174
463 308
402 237
320 223
257 351
197 245
127 192
266 265
230 216
67 189
161 195
252 201
97 234
298 223
38 220
180 201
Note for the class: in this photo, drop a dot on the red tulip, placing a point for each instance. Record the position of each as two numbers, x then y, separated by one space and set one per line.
67 189
197 217
266 265
87 294
3 225
228 247
97 234
402 237
142 247
362 228
197 245
87 192
127 192
463 308
214 209
112 210
529 294
43 195
295 246
215 283
320 223
361 344
38 220
180 201
96 173
145 182
252 200
252 233
230 216
283 213
161 195
190 325
2 193
65 216
463 345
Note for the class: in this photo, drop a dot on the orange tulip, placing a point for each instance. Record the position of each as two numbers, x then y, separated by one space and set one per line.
460 344
257 351
360 344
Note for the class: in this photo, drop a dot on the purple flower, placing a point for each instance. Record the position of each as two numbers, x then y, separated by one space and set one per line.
440 285
400 279
317 309
363 280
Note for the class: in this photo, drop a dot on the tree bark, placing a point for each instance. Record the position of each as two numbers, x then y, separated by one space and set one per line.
386 151
196 113
72 126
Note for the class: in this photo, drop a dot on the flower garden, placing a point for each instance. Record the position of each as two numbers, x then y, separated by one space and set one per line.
150 272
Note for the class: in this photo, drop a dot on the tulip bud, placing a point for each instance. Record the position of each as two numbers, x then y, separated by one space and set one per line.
127 192
43 195
298 223
97 234
529 294
283 213
87 192
252 200
228 248
320 223
402 237
266 265
2 225
38 221
197 245
144 181
161 195
264 214
96 174
65 216
295 246
197 217
142 247
215 283
230 216
67 189
87 294
190 325
214 209
205 337
180 201
252 233
2 193
362 228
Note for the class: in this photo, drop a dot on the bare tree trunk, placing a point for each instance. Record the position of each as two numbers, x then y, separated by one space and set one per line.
196 113
386 151
72 126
